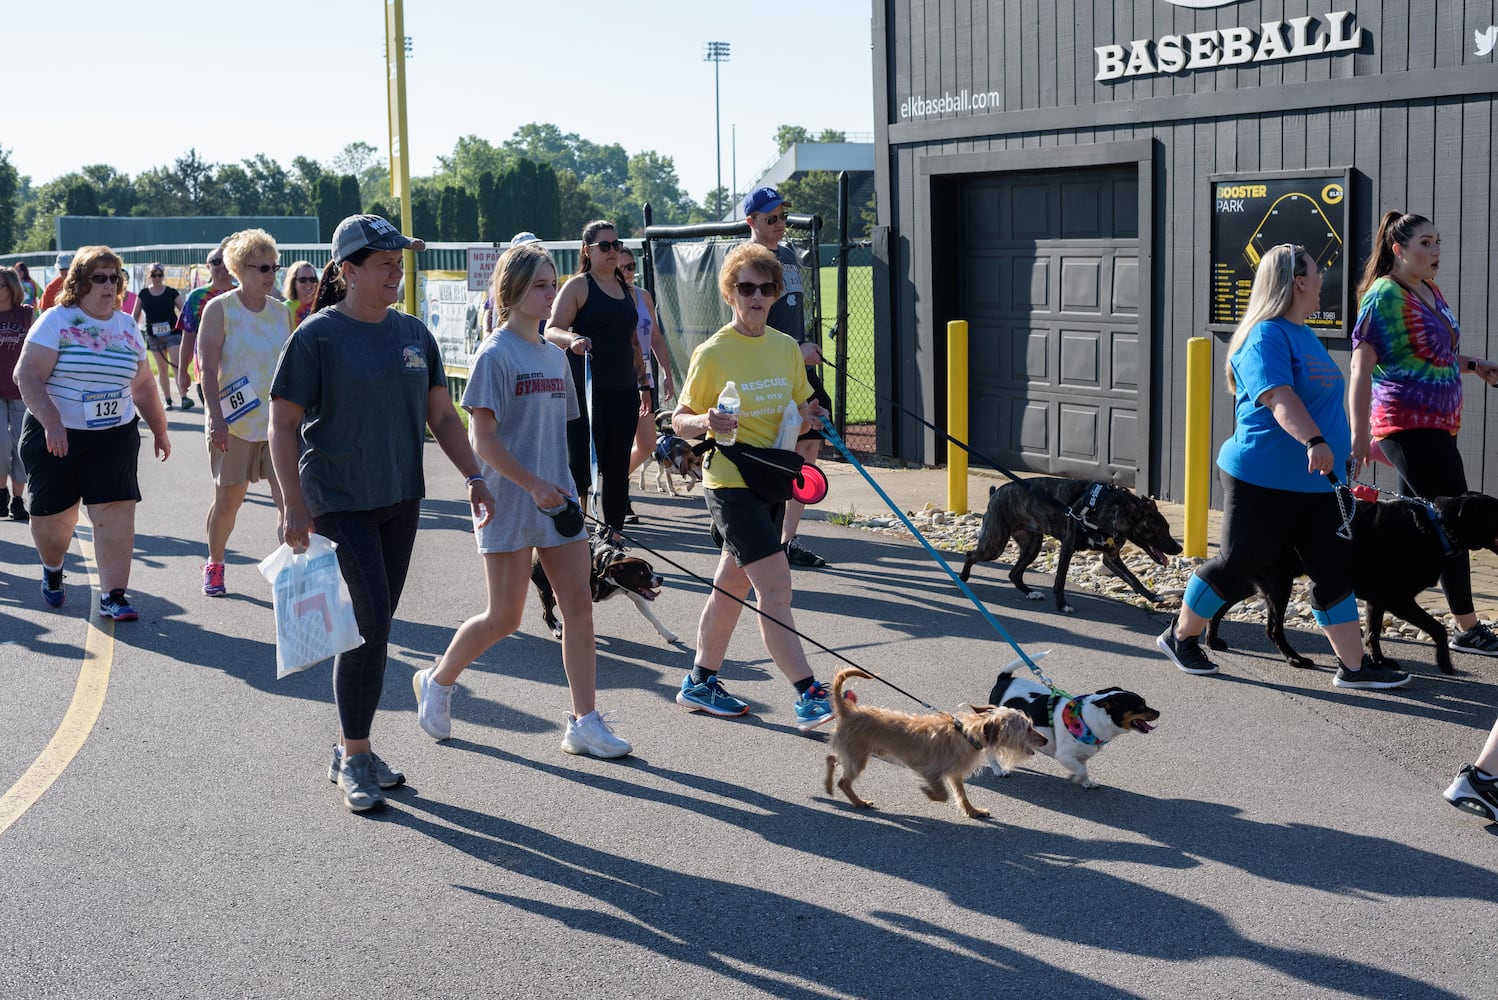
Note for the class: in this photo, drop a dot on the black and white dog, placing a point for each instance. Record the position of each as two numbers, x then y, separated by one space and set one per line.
615 571
1075 729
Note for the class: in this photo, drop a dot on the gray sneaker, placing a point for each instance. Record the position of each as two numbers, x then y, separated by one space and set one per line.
434 704
385 775
1478 639
594 736
361 792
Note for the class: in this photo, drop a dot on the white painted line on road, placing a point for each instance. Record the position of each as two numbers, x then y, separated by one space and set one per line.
82 713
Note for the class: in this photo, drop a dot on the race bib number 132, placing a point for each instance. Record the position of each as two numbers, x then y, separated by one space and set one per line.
104 409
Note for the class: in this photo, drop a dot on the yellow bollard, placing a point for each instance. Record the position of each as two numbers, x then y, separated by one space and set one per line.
1198 444
957 415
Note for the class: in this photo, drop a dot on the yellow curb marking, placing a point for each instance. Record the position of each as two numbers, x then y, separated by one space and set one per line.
82 713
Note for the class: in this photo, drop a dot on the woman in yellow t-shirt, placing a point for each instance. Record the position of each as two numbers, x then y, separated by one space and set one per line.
767 367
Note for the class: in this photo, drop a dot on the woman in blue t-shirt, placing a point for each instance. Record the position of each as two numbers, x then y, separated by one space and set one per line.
1290 434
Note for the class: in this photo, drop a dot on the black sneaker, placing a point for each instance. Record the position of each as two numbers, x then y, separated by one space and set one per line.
18 510
1472 793
800 556
1478 639
169 405
1186 654
1369 677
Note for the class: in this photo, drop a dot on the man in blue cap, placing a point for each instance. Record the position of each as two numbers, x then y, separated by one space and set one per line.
766 212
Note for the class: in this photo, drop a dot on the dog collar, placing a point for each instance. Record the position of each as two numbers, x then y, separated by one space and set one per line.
1435 520
1072 721
965 734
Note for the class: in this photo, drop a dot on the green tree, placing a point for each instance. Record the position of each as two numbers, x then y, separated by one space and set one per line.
10 186
652 180
113 190
349 202
470 159
787 136
304 180
240 192
447 213
574 208
158 193
815 193
423 215
328 206
80 199
832 135
547 208
274 186
194 179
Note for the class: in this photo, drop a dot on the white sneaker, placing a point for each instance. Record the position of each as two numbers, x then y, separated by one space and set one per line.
592 735
434 704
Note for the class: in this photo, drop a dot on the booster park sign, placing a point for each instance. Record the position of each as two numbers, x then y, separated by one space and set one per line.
1273 41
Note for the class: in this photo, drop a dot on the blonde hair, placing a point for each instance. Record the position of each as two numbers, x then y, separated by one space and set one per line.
749 255
76 284
1272 293
245 244
513 275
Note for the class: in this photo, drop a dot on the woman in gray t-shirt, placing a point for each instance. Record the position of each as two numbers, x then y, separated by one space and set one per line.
519 398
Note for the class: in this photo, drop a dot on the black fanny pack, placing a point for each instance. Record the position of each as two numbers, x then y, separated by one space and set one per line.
770 473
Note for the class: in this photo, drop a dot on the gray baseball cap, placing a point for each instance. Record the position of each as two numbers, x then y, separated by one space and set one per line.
524 237
64 261
358 232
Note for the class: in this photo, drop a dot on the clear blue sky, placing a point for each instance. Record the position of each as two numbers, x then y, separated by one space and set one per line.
136 86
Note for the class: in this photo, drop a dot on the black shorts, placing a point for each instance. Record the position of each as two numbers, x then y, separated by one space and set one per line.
750 526
100 467
819 393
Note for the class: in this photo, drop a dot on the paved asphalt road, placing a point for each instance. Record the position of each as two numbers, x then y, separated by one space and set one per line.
1273 837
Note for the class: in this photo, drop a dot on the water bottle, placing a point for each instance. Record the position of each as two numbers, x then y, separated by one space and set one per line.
728 405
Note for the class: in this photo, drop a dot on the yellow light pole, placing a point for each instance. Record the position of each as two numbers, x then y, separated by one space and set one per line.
957 415
1198 444
400 159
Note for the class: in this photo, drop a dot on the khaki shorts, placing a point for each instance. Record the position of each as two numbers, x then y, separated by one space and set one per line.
245 462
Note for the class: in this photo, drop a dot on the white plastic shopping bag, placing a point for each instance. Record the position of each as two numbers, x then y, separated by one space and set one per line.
314 615
790 427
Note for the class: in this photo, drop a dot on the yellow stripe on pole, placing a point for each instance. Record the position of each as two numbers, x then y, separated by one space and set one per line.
1198 444
957 378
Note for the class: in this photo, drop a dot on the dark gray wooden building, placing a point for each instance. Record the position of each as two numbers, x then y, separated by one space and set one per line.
1089 183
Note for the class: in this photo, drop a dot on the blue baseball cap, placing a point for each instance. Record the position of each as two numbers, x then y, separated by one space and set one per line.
761 199
524 237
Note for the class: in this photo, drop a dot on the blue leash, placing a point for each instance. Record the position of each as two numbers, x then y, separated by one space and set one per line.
837 442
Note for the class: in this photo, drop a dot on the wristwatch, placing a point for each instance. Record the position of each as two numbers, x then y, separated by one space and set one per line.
1471 364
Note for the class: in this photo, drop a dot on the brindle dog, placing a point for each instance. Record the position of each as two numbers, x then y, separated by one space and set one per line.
1085 515
615 571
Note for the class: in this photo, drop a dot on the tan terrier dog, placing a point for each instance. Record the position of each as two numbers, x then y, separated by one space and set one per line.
941 748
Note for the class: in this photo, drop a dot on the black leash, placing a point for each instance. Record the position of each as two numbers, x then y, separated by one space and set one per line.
769 617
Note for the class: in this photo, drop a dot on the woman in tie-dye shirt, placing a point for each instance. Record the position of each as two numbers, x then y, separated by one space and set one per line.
1406 388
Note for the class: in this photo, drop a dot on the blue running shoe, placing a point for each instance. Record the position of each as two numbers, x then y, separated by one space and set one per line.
814 707
117 606
52 589
709 697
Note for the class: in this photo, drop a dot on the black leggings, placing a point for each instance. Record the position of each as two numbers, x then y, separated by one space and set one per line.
1258 522
1430 466
374 552
616 414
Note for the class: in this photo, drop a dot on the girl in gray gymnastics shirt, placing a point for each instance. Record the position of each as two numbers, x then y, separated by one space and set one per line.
519 400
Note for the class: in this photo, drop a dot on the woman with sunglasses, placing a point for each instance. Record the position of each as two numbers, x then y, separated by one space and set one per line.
769 371
239 340
1406 392
596 316
83 374
652 341
300 291
1290 432
160 304
15 319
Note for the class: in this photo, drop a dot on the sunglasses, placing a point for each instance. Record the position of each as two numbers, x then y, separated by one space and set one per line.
106 279
747 289
156 274
627 267
307 281
263 268
215 262
777 219
607 245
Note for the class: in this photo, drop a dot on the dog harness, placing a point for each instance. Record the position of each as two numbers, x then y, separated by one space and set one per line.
1081 512
663 446
1072 721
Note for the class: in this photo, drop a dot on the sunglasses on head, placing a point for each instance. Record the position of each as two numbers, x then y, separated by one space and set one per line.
748 288
263 268
106 279
607 245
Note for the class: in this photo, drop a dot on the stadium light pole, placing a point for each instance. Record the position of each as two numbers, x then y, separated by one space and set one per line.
715 53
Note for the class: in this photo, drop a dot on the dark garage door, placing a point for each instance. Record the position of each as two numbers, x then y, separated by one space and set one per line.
1049 284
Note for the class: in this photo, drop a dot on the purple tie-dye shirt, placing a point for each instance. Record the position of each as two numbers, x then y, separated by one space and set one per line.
1417 382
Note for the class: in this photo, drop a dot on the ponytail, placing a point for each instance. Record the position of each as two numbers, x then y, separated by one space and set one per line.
1394 228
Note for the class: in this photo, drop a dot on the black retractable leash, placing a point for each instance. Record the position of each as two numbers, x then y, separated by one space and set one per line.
1356 490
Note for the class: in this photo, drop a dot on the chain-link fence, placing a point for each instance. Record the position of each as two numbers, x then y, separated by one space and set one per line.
682 265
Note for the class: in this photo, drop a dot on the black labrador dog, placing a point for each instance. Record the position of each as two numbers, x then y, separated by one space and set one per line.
1398 548
1085 515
